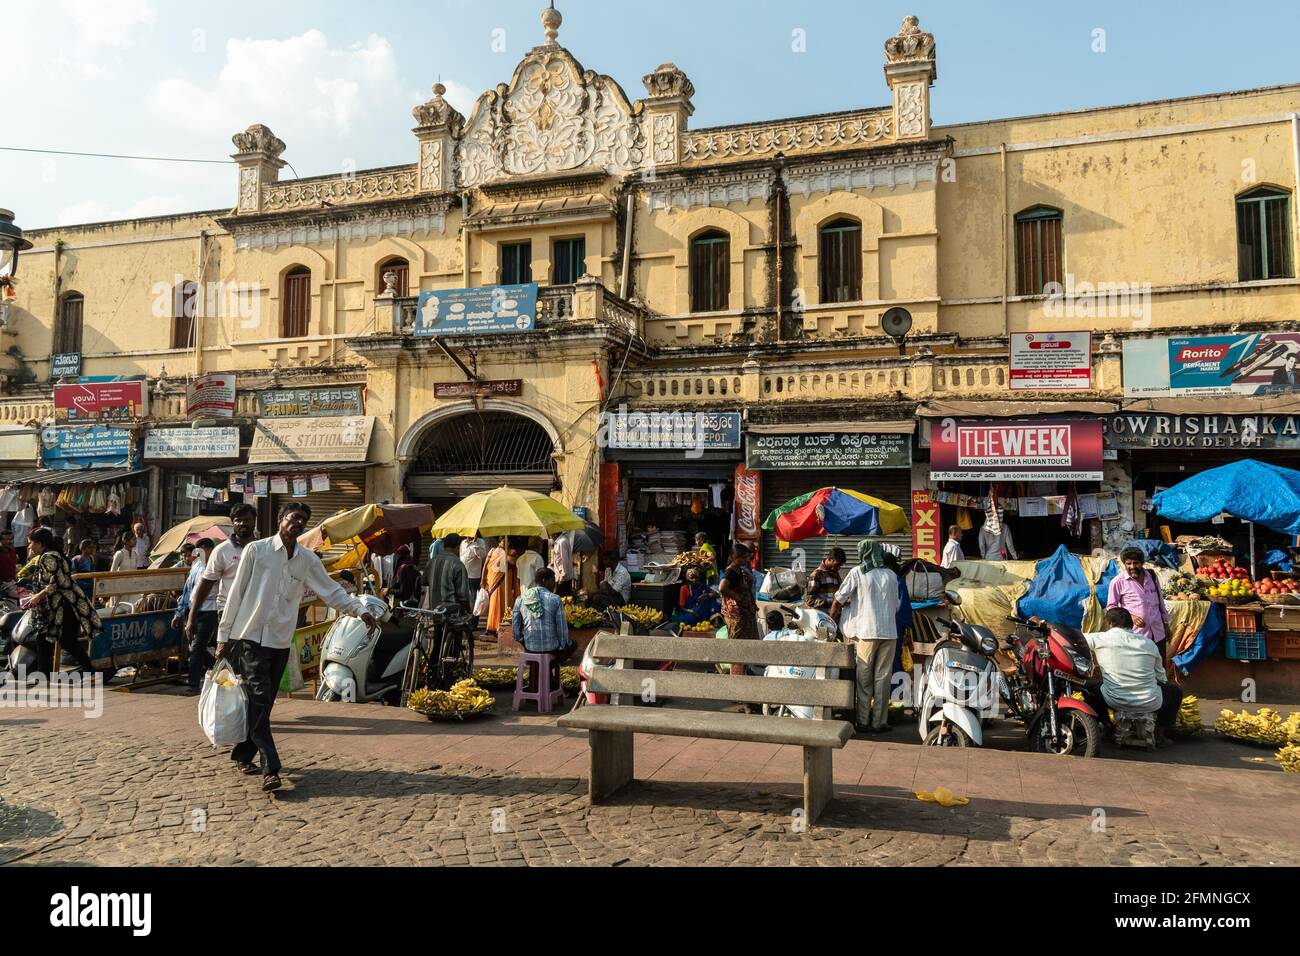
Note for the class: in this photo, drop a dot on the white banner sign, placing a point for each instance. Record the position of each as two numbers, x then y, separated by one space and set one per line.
209 444
1055 361
212 396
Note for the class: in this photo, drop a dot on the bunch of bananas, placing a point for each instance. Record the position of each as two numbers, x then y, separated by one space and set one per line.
496 676
465 697
579 616
645 616
1265 728
1289 758
570 679
1188 721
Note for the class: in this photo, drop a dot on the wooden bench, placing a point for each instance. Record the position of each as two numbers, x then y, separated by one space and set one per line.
611 726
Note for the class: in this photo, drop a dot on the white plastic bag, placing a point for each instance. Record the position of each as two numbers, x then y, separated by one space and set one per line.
481 601
223 707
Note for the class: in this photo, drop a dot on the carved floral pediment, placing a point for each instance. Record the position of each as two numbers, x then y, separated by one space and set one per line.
554 116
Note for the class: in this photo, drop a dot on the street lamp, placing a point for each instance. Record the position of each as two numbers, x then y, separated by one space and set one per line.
11 243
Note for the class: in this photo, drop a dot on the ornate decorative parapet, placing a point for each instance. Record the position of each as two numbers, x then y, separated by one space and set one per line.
795 136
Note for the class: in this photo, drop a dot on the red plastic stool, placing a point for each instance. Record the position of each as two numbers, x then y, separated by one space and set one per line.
543 672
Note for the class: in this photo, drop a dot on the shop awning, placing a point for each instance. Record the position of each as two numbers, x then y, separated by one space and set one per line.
54 478
294 468
1221 405
959 409
889 427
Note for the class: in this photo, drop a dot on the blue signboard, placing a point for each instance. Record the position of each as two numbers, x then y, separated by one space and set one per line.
497 308
134 634
94 446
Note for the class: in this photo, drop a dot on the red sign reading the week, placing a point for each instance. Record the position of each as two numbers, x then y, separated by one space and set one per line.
925 527
101 401
1016 450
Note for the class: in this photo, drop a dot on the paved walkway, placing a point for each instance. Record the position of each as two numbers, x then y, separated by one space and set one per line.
125 788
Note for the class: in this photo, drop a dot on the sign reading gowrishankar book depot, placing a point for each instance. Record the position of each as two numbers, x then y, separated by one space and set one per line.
825 450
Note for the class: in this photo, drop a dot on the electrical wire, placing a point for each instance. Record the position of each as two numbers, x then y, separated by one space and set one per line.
148 159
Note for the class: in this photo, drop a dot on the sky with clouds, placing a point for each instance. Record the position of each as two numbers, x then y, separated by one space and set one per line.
336 81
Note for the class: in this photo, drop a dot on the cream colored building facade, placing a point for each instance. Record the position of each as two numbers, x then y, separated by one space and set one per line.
1146 195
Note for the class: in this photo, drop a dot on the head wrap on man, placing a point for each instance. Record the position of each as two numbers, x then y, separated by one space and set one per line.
870 555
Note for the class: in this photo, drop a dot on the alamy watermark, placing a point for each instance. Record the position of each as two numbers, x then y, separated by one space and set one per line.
68 689
1101 300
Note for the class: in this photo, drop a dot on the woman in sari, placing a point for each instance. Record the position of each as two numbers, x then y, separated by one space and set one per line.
702 545
697 601
501 583
59 608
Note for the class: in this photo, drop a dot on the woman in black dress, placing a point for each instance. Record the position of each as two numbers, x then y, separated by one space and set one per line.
60 609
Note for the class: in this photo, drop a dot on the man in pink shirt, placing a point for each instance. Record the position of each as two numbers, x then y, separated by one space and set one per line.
1137 591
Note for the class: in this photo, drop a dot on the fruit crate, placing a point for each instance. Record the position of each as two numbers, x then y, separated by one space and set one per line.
1242 620
1246 646
1284 645
1279 618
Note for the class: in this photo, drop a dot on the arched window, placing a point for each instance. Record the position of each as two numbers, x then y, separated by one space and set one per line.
840 261
710 271
401 269
185 306
1038 249
295 303
67 331
1264 234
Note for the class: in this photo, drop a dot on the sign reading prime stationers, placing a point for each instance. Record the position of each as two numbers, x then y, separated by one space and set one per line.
1142 431
337 402
827 450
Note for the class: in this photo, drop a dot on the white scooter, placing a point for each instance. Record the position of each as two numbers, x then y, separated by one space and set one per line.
807 624
358 665
959 686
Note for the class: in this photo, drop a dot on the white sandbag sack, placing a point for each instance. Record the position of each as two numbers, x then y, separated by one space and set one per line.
223 707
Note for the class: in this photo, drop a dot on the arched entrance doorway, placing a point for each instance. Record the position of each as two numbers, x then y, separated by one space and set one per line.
479 450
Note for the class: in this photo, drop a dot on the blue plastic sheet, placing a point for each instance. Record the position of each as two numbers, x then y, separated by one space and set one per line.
1058 591
1207 641
1155 552
1250 490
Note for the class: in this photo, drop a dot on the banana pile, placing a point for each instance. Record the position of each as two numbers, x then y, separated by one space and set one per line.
1289 758
1266 728
645 616
465 697
1188 721
579 616
570 679
496 676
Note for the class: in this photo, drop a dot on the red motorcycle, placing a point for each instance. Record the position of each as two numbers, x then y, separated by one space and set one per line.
1053 662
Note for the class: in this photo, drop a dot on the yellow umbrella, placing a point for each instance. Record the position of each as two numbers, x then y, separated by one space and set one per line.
507 511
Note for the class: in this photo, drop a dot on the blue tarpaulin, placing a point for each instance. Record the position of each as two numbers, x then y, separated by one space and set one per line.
1155 552
1250 490
1058 591
1207 641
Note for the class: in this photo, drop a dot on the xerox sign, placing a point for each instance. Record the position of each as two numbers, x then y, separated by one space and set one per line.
1016 450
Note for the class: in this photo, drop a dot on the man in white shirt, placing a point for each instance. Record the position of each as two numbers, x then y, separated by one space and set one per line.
261 615
219 570
866 610
200 659
562 563
473 551
142 545
952 552
1132 673
527 565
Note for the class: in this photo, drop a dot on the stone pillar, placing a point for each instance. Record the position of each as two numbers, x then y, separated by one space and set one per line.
588 298
668 109
259 163
438 128
751 381
910 71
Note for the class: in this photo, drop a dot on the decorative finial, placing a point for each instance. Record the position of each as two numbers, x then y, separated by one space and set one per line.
551 20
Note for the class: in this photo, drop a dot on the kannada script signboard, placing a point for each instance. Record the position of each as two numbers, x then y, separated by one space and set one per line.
827 450
1059 361
309 440
334 402
499 308
211 396
208 444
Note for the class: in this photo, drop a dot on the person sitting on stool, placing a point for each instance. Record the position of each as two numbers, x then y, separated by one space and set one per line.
538 621
1132 674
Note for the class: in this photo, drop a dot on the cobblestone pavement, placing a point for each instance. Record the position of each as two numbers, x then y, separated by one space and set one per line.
68 797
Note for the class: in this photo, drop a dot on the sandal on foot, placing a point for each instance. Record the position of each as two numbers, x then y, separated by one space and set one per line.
247 769
271 782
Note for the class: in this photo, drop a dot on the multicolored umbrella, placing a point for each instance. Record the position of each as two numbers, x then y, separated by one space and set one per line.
379 529
835 511
218 529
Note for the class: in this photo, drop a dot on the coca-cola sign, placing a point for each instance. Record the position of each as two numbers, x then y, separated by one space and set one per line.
748 509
